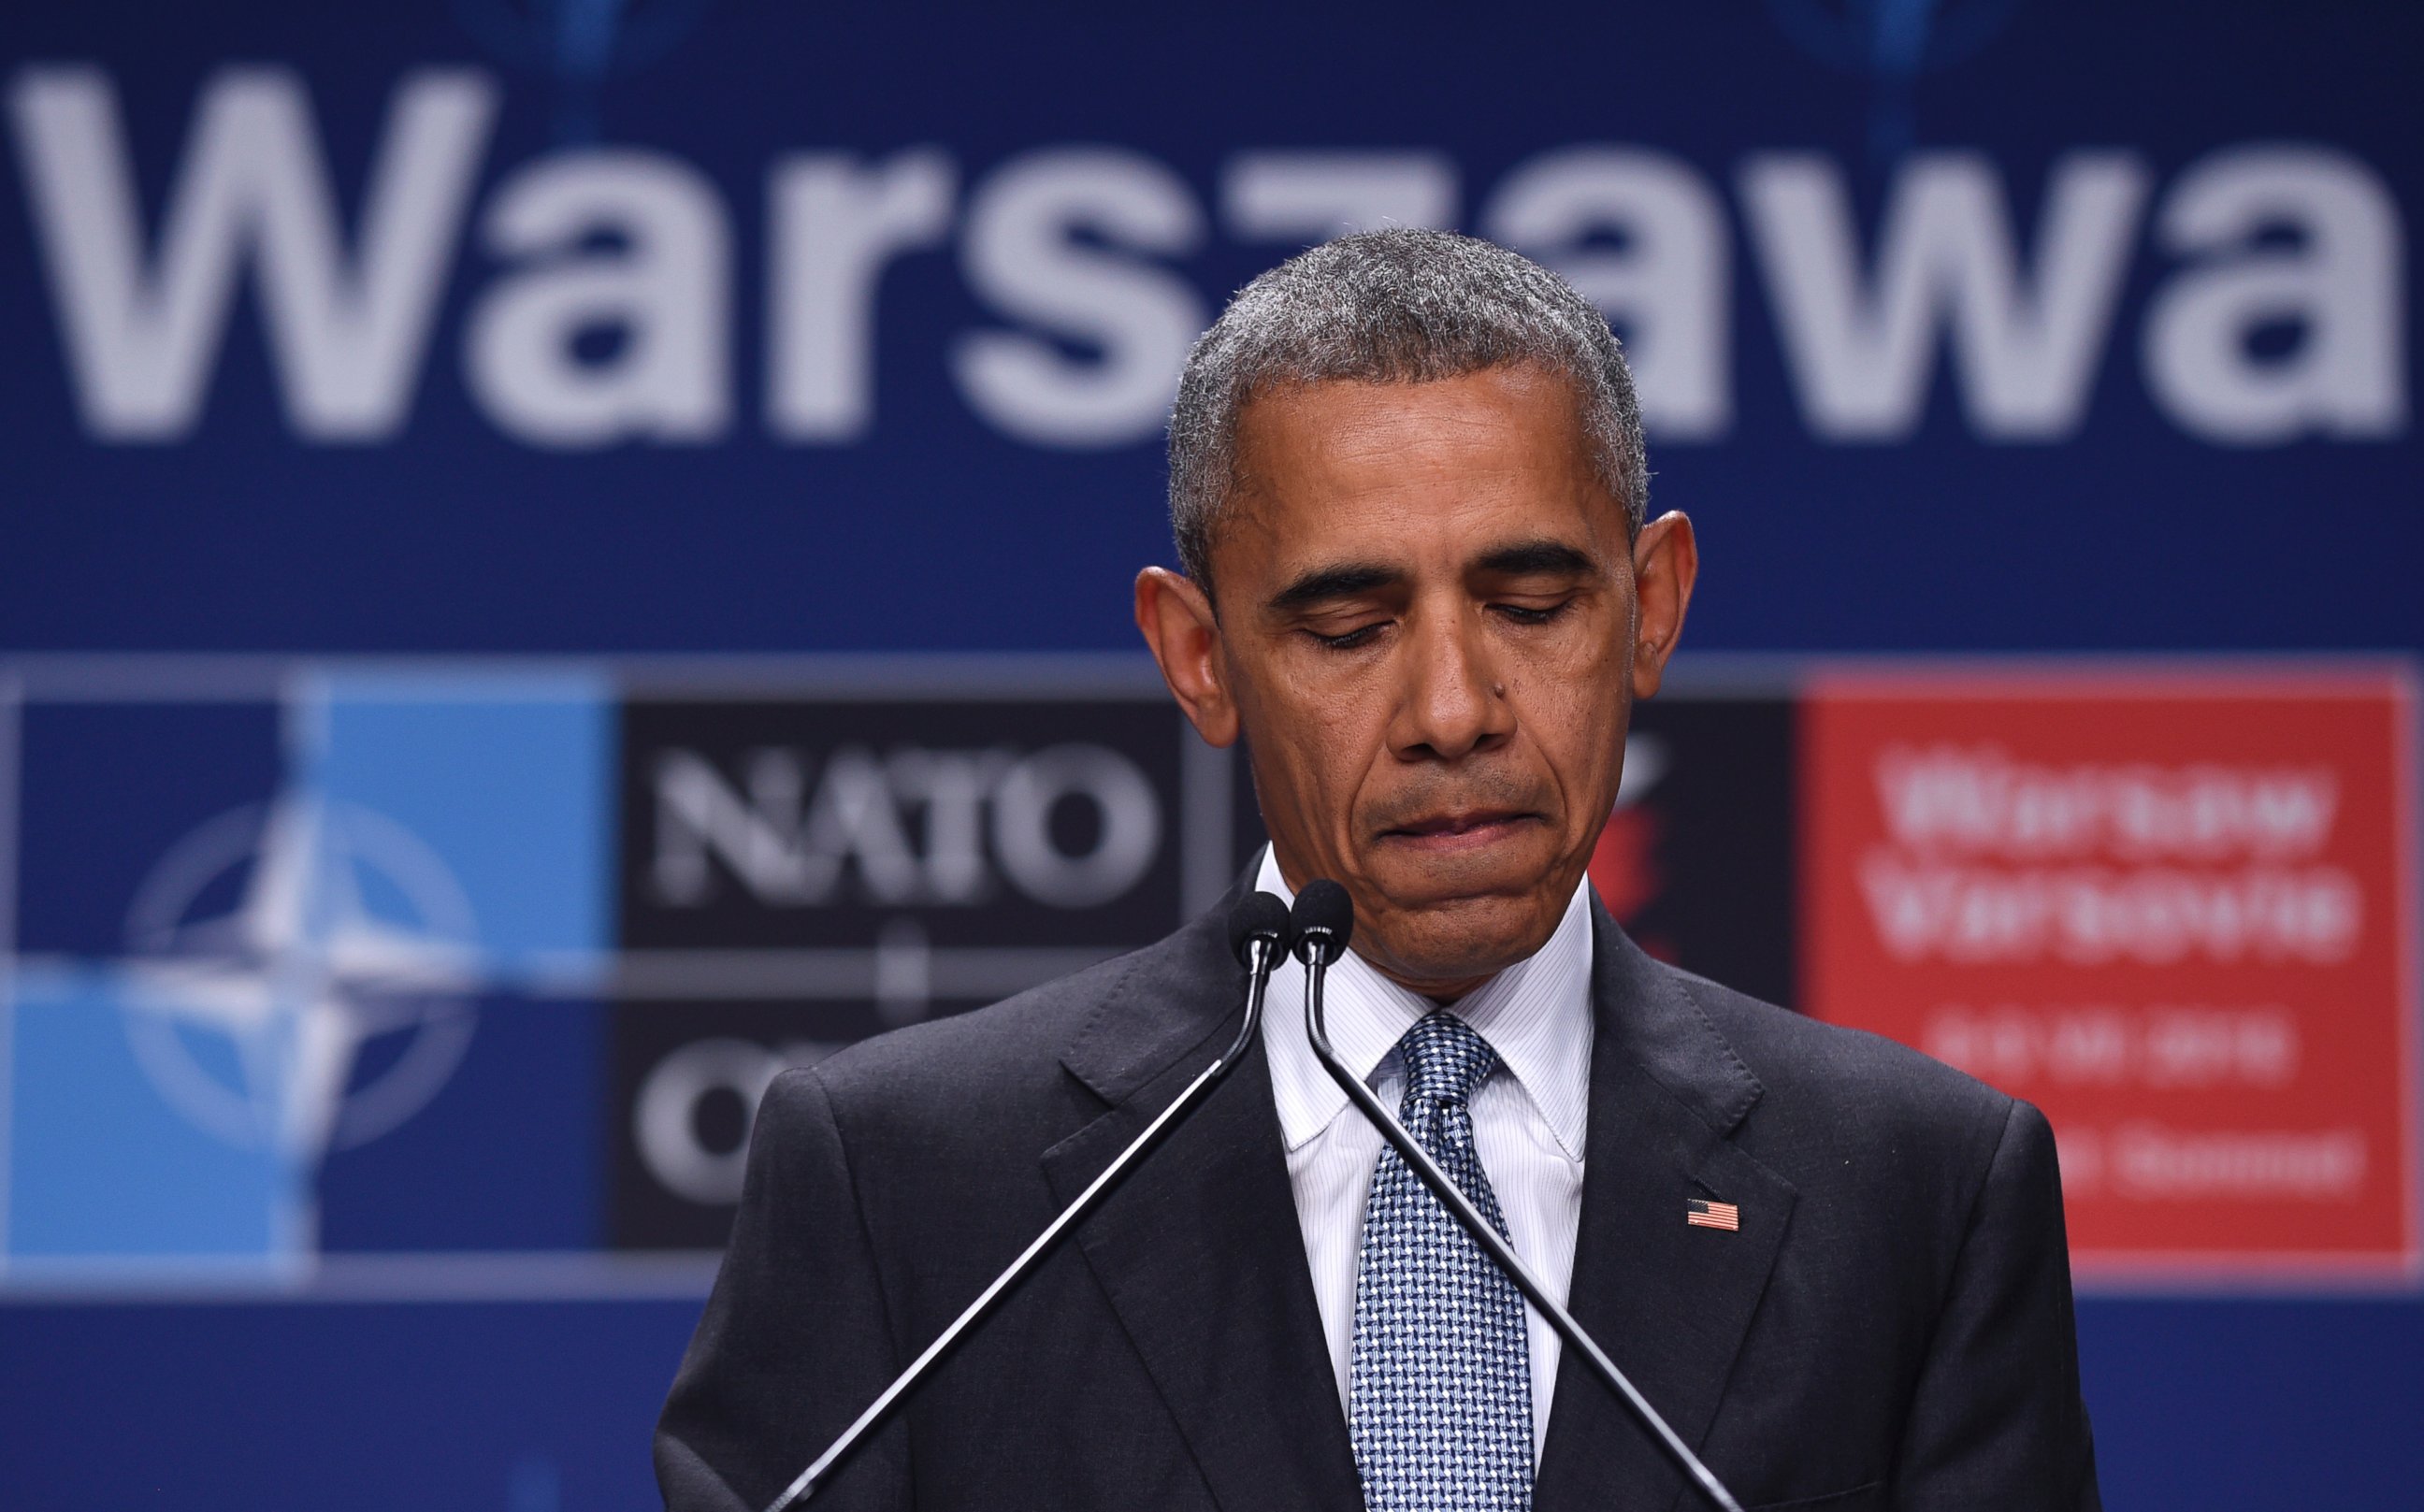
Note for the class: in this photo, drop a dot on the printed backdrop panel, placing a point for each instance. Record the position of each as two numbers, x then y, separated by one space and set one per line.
474 960
2175 910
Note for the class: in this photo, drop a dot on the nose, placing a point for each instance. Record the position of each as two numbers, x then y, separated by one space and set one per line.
1452 704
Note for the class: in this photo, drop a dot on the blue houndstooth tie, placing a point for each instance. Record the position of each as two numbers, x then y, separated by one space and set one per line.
1440 1394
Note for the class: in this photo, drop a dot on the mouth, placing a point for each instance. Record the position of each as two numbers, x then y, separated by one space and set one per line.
1454 831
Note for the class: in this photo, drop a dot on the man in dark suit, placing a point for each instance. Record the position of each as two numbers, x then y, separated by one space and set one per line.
1408 489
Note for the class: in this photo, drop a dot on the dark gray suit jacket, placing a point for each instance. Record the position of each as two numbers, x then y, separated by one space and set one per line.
1891 1326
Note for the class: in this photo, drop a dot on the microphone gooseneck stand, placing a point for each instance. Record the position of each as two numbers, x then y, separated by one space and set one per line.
1256 927
1323 919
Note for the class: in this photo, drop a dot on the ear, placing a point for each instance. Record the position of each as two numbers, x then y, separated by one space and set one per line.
1177 623
1666 560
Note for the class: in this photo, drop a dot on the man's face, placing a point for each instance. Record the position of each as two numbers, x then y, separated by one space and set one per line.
1429 631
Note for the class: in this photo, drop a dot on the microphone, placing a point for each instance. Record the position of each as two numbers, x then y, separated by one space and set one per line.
1323 920
1258 926
1322 923
1259 923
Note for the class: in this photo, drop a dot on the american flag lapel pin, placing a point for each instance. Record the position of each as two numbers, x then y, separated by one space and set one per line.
1702 1214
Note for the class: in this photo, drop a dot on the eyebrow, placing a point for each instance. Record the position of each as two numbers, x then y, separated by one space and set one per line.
1324 583
1536 558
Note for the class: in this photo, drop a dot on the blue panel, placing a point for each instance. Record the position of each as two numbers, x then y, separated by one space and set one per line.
117 784
264 1407
507 1156
504 777
100 1165
2227 1405
939 527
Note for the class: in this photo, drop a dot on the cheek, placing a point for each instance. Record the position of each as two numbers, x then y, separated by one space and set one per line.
1324 739
1577 716
1338 755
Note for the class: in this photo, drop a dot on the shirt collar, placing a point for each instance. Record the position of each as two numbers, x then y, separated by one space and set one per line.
1535 1013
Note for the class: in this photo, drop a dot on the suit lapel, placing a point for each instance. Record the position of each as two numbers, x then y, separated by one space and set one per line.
1670 1303
1200 1251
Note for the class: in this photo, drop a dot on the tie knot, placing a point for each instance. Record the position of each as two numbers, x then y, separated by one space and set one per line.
1445 1060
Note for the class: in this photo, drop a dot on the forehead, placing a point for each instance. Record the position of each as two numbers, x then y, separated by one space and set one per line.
1390 467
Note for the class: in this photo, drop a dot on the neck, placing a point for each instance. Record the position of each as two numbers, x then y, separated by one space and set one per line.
1441 994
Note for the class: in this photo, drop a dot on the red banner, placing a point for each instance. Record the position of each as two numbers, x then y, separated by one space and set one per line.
2175 910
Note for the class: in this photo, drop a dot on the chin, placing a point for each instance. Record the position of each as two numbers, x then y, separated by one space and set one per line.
1459 939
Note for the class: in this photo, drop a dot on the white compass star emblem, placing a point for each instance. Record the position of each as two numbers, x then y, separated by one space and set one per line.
345 932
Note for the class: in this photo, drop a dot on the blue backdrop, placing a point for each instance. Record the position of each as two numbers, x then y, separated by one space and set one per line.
590 328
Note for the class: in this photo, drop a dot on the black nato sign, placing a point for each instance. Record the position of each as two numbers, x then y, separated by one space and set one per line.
799 872
1698 862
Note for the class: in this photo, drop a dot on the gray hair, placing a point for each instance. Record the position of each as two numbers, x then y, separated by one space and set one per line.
1401 306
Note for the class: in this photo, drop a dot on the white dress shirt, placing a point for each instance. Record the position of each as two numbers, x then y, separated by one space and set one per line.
1528 1119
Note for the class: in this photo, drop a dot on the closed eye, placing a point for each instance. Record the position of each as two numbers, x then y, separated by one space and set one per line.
1350 640
1533 613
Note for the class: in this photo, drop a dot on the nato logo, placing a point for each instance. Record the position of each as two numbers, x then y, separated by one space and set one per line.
254 935
300 976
